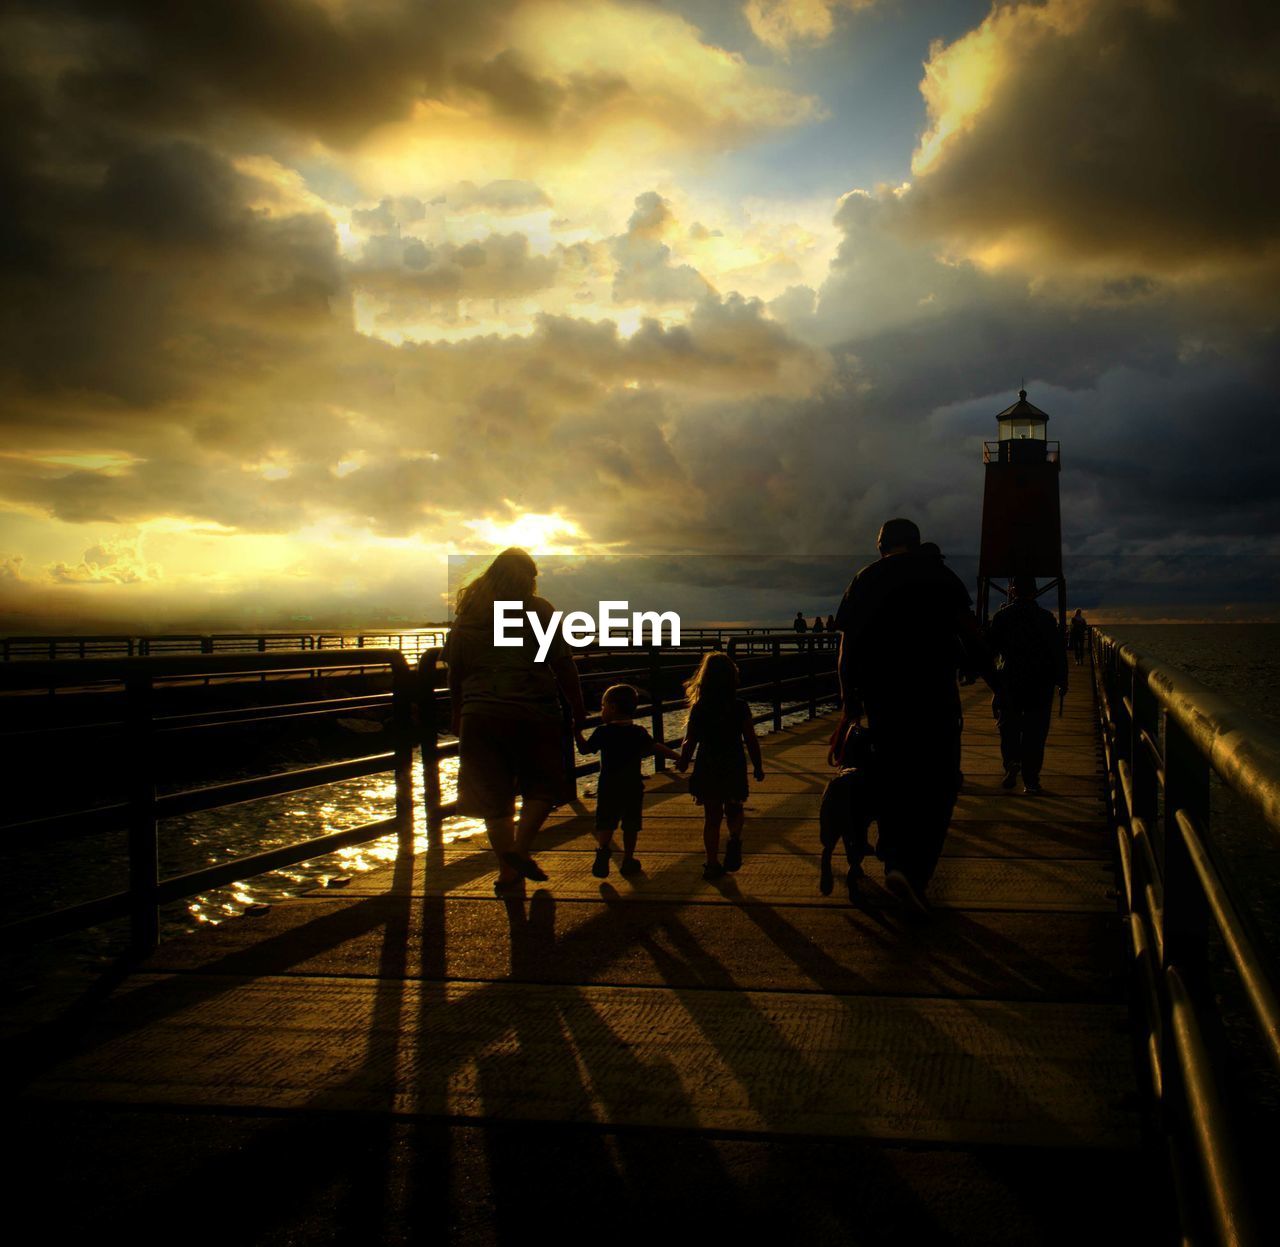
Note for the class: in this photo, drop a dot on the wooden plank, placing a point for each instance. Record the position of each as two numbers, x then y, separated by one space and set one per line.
938 1071
989 954
1038 884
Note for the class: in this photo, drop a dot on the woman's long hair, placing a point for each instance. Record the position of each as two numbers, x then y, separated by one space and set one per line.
510 578
715 681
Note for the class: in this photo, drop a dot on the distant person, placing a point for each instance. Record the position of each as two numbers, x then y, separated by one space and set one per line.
817 625
1025 637
507 717
1079 631
799 623
719 726
903 620
622 745
832 640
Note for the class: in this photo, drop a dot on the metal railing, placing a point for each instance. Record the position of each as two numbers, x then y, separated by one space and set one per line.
141 813
795 676
413 642
1052 451
1164 734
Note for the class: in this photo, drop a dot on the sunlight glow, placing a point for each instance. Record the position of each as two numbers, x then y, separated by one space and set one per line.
538 533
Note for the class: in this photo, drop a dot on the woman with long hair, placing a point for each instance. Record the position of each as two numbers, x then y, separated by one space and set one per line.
507 717
719 726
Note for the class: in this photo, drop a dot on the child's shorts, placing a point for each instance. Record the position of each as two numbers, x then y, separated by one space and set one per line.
619 805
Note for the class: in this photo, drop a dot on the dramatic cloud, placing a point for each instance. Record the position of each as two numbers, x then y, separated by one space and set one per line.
1125 131
298 297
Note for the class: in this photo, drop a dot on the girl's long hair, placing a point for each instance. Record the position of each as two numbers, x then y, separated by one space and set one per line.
510 577
714 682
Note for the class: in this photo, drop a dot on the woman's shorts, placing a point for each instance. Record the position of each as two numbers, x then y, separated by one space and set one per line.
499 757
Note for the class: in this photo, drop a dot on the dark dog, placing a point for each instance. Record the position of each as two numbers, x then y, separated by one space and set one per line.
848 806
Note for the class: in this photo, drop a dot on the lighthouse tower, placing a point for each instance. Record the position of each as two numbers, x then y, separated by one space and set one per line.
1021 517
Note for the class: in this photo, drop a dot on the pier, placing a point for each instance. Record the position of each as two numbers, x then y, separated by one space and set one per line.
411 1057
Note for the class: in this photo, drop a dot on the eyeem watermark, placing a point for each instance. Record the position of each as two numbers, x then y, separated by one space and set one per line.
614 626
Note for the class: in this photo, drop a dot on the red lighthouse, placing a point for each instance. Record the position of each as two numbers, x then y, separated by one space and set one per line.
1021 516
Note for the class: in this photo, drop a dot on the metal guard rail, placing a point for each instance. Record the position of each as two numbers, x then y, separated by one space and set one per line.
1163 734
414 695
141 813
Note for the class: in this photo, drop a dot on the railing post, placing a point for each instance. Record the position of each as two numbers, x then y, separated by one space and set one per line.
144 845
429 742
1144 739
402 727
776 649
657 726
1186 788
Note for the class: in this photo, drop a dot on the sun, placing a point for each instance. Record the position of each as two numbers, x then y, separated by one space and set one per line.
537 532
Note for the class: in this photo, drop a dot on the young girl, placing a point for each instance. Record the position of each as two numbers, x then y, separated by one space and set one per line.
719 725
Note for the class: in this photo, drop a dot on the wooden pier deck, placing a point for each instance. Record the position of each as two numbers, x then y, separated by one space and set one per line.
411 1057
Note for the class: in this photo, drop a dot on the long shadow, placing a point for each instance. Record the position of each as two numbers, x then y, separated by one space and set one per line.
430 1196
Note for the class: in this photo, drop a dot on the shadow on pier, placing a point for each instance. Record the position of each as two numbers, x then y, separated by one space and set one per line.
414 1059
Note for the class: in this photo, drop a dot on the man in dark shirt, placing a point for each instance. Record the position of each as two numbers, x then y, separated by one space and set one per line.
1033 662
903 621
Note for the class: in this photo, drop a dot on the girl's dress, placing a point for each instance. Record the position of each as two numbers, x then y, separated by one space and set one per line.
720 764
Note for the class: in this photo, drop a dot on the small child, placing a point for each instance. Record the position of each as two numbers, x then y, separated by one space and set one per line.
719 725
622 745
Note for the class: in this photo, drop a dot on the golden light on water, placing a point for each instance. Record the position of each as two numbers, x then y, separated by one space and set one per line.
334 808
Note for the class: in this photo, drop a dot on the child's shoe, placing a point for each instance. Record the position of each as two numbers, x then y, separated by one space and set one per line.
630 866
600 867
733 853
712 871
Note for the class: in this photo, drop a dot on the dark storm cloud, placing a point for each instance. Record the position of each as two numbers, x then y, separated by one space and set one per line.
333 70
1113 128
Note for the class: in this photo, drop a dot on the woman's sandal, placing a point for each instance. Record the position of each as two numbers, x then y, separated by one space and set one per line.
526 866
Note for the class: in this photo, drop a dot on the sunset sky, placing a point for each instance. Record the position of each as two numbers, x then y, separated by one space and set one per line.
300 297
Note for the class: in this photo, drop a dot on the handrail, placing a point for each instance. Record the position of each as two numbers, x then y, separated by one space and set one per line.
412 641
131 684
141 813
1164 734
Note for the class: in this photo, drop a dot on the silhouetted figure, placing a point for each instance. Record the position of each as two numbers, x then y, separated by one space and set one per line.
1079 632
506 715
902 619
1025 636
719 726
622 746
799 623
817 625
848 806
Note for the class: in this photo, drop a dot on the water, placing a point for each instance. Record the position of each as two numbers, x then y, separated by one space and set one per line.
1240 661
